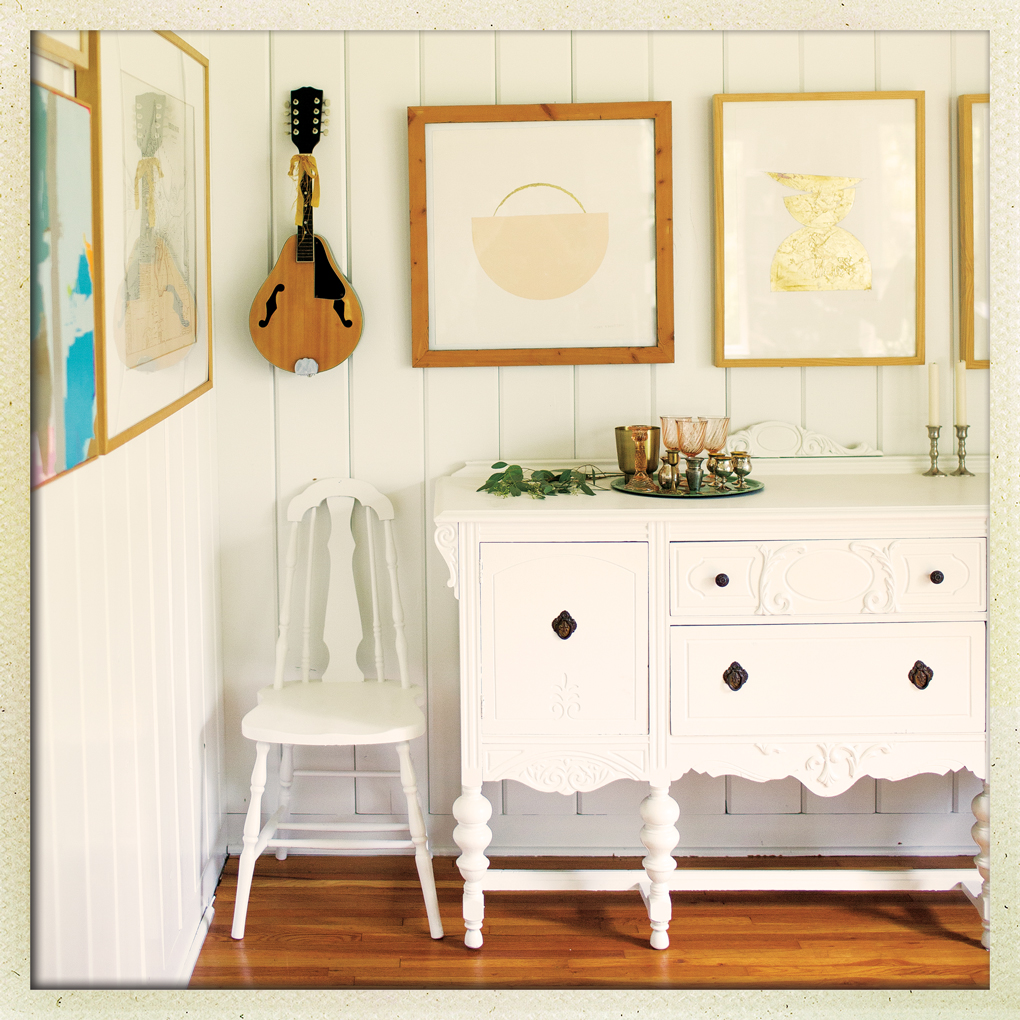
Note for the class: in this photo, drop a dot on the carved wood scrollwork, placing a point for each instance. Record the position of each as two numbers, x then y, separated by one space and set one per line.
446 542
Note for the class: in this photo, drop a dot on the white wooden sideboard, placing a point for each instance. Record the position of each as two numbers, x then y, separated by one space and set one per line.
828 627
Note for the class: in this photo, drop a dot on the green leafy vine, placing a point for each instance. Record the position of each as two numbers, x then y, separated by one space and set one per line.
510 481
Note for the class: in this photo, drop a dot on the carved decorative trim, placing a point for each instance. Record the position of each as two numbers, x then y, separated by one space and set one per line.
573 772
833 757
566 700
881 598
446 542
769 748
772 601
783 439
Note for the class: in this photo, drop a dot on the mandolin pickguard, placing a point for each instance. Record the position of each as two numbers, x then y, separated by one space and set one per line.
305 310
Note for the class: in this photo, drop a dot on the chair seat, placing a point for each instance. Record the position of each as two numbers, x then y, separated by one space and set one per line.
342 712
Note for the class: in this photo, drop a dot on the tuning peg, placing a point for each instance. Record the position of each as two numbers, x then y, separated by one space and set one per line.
325 103
324 132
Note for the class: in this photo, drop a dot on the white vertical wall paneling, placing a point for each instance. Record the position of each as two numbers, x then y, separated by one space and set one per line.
841 402
609 67
536 402
312 414
920 61
93 674
462 416
243 384
387 399
60 792
764 62
858 800
687 70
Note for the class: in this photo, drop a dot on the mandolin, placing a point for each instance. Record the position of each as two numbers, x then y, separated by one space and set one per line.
306 317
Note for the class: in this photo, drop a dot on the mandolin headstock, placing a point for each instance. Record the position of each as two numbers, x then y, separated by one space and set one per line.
150 108
307 117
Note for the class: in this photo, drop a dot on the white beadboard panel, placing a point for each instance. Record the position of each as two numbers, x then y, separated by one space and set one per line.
970 63
687 70
839 61
921 61
926 794
610 67
533 67
243 255
842 403
746 797
763 61
310 410
606 396
966 787
620 798
858 800
519 799
764 394
700 794
458 68
62 891
536 403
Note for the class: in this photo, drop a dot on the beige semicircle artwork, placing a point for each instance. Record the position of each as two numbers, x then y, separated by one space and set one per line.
822 255
542 256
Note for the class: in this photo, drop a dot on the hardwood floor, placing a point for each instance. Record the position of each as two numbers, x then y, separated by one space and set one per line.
332 922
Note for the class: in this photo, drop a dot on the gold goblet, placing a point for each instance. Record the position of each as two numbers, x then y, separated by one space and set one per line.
640 482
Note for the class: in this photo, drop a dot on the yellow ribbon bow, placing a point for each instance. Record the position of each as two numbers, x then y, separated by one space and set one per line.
146 170
303 165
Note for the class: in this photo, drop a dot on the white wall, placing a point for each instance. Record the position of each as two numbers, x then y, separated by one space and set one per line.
126 707
400 428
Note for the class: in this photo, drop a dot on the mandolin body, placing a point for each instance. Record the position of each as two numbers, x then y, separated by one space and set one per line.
305 309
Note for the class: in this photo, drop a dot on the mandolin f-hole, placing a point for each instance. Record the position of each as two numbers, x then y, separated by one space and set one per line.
338 307
271 305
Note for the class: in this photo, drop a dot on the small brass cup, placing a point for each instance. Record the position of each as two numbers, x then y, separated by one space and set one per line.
626 448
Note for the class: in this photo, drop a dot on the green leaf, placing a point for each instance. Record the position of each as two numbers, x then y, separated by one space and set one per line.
514 473
499 464
515 489
584 488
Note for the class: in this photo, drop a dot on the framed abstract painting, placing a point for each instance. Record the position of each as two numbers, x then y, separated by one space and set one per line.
819 228
541 235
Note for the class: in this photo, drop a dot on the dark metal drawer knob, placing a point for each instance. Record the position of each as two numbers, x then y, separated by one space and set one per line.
937 577
735 676
920 675
564 625
721 580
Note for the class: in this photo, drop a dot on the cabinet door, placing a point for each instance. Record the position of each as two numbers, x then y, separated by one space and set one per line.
814 679
595 681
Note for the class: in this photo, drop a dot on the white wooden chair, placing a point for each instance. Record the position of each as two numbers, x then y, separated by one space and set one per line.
332 703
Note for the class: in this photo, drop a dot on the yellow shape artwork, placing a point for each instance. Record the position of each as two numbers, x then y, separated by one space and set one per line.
822 255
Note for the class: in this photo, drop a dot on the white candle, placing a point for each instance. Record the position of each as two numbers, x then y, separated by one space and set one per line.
933 394
961 393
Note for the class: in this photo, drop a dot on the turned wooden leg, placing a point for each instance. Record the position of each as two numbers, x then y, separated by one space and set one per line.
252 826
981 833
419 836
659 835
472 835
286 779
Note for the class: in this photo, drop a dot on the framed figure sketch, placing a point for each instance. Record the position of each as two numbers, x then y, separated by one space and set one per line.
819 228
149 96
541 235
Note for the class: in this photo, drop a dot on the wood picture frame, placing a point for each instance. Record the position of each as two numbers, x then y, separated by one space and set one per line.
542 284
68 48
149 93
822 294
972 125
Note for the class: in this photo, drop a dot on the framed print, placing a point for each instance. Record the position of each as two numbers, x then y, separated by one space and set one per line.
62 324
68 48
819 228
541 235
149 95
974 293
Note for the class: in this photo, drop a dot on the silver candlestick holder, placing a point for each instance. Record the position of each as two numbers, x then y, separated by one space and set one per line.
961 451
933 453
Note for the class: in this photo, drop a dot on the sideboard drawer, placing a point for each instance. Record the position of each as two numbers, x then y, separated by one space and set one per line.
592 682
826 577
826 679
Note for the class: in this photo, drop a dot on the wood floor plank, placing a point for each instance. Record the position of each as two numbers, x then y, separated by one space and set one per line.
335 922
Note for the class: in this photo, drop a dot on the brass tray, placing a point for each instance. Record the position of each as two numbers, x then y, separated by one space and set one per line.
708 492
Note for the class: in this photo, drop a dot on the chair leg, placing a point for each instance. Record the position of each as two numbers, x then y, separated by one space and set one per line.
252 827
422 855
286 779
